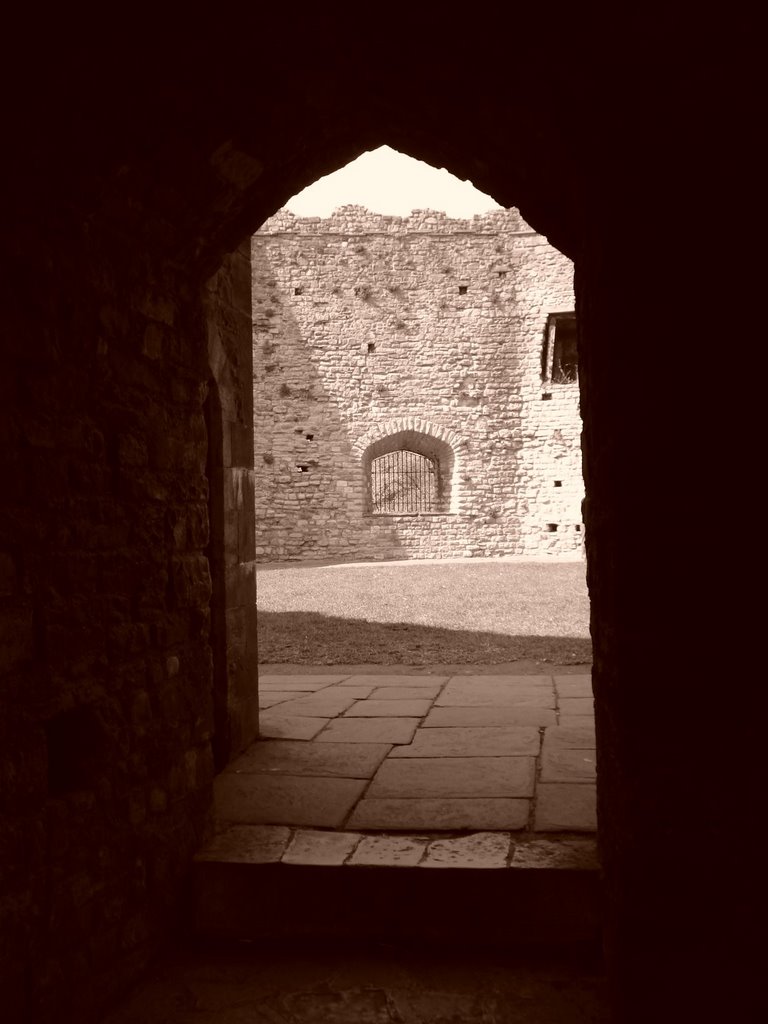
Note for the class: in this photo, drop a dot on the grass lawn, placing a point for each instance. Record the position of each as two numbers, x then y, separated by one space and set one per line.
420 613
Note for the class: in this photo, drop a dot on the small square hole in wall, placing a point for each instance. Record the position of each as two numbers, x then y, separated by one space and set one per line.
547 396
578 527
502 273
371 347
302 467
552 527
462 289
310 437
558 483
298 290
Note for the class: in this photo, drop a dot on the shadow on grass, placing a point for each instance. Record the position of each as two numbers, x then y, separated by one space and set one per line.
308 638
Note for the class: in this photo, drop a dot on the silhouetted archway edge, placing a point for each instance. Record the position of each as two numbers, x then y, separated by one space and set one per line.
248 193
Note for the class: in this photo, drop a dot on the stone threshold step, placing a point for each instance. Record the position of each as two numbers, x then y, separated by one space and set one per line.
487 889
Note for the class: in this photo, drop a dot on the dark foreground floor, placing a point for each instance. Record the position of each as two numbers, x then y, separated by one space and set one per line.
251 985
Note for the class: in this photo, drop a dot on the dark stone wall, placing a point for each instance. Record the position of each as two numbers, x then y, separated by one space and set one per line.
139 156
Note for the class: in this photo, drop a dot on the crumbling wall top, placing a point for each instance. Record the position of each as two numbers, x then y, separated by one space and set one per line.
357 220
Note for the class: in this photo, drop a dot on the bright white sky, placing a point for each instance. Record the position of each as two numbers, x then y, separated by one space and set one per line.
386 181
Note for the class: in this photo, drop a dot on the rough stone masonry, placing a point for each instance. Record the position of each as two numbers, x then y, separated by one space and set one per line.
425 333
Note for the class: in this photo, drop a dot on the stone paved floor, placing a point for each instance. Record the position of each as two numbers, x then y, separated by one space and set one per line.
344 757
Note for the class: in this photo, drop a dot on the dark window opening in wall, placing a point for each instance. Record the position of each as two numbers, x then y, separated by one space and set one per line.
302 467
552 527
310 437
558 483
462 289
404 481
371 347
559 363
298 291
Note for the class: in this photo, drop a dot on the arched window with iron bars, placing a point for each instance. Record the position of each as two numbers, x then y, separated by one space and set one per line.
404 481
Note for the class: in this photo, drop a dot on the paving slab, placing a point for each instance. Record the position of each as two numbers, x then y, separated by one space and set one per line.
495 691
569 720
574 686
469 742
441 815
247 844
285 799
389 708
404 692
389 851
319 705
321 848
268 700
482 850
394 680
503 681
561 765
565 854
456 717
454 777
276 724
368 730
294 757
297 682
578 734
358 692
565 807
577 706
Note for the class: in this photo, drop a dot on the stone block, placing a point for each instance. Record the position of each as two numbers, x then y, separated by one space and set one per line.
319 705
358 692
440 815
563 854
269 700
294 757
560 765
454 777
482 850
578 734
285 799
389 709
388 851
247 844
404 692
321 848
577 706
488 717
469 742
565 807
287 683
574 685
394 680
368 730
498 691
274 725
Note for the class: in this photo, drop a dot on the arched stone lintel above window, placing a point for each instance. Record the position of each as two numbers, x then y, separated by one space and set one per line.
425 442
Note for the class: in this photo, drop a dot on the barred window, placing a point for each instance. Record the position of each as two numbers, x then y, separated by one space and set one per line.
409 472
404 481
559 363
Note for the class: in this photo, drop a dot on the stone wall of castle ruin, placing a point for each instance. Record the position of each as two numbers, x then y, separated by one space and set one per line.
366 325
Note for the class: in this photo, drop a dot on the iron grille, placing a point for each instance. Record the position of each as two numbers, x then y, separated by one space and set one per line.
404 481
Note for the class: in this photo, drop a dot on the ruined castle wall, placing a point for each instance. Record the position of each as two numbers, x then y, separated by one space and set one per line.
366 325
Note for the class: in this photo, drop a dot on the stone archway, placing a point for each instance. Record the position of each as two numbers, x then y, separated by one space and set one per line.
133 175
